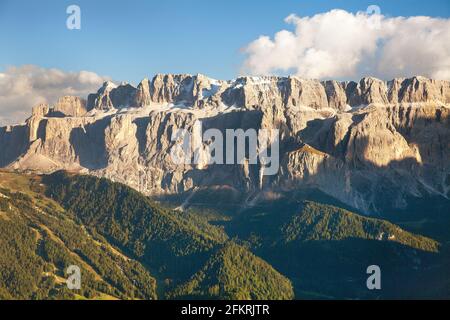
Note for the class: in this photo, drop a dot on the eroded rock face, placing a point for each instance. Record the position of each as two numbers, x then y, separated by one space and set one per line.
382 154
419 89
394 143
37 114
70 106
142 97
102 99
336 96
172 88
367 91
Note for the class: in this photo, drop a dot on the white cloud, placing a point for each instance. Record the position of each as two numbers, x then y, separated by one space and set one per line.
338 44
23 87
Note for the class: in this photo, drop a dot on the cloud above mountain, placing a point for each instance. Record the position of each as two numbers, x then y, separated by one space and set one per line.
342 45
23 87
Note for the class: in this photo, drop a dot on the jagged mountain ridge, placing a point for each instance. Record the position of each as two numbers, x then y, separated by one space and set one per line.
199 91
370 144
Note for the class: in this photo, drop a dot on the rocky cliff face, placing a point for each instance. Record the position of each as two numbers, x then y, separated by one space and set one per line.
371 144
70 107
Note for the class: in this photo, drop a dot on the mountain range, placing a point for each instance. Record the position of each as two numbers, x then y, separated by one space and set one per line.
371 144
364 179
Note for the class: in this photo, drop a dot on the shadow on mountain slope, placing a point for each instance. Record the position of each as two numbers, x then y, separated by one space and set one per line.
89 144
325 251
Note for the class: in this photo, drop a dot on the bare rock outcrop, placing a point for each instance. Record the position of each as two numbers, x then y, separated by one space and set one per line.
37 114
70 106
419 89
336 96
367 91
142 97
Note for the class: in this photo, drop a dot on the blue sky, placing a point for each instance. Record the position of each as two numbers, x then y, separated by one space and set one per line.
129 40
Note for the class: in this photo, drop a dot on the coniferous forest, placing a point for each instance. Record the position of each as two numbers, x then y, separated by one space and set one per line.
129 246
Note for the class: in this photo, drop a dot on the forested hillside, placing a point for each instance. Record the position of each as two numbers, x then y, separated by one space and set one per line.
325 251
39 241
235 273
131 247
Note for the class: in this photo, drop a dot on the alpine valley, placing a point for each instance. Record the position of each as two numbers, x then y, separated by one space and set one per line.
364 179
